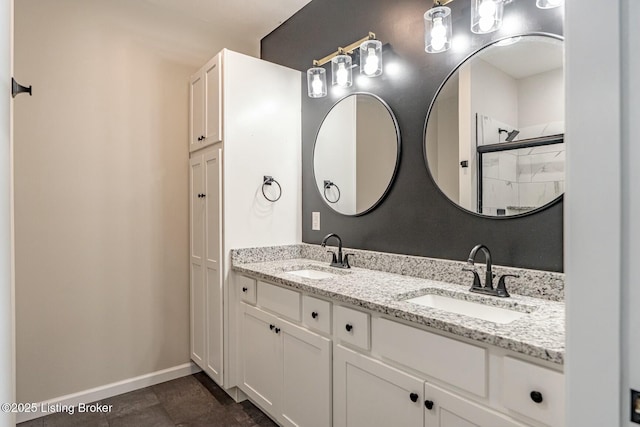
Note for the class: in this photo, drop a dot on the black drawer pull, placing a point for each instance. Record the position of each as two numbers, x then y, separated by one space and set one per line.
277 330
245 289
413 397
536 396
428 404
348 327
272 326
314 314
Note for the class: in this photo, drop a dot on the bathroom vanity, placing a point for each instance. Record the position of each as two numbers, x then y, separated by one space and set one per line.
320 346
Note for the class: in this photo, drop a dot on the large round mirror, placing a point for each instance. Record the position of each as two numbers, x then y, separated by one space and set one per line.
494 136
356 154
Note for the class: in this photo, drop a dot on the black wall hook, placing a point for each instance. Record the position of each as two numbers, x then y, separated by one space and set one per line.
17 88
268 180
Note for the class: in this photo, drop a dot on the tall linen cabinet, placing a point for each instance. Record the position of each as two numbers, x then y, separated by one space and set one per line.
245 124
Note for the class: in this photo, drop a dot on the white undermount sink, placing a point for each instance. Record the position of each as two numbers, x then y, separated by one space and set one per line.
468 308
311 274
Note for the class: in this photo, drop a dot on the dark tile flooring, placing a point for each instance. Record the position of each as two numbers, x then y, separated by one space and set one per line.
192 401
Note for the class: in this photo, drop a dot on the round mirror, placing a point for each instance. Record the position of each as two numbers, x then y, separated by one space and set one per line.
356 154
494 136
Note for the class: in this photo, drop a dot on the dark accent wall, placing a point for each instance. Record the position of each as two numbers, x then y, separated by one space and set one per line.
415 218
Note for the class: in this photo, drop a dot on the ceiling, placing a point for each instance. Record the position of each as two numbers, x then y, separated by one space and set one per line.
529 56
237 18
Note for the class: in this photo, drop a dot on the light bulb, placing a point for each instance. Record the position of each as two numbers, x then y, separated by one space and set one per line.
485 23
371 63
341 75
316 85
438 34
487 9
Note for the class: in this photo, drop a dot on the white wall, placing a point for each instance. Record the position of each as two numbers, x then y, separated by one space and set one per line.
631 202
493 93
334 156
448 147
254 147
592 216
376 151
541 104
102 191
7 345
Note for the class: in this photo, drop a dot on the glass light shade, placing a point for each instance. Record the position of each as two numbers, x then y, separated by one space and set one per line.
317 82
486 15
341 71
371 58
549 4
437 29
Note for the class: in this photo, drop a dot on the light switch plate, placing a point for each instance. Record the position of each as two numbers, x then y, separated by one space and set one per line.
315 220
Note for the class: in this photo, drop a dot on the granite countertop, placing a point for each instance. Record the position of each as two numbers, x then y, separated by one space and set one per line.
539 334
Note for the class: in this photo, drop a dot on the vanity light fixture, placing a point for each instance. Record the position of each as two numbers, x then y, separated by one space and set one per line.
317 82
486 17
437 29
370 53
341 74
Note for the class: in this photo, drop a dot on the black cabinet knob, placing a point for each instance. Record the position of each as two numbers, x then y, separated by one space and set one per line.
314 314
204 195
272 326
413 397
428 404
536 396
348 327
245 289
277 330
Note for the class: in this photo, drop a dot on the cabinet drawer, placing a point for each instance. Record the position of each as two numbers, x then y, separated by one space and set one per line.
279 300
316 314
247 288
533 391
457 363
351 326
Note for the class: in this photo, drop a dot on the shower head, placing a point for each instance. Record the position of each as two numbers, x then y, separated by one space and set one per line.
510 135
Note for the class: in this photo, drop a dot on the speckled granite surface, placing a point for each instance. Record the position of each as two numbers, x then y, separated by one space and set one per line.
533 283
540 333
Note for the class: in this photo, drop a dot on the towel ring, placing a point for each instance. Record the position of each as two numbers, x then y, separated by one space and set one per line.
268 180
327 185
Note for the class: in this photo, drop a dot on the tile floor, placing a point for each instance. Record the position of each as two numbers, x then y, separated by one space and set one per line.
192 401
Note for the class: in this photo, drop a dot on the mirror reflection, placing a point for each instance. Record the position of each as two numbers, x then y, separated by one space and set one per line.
494 139
356 154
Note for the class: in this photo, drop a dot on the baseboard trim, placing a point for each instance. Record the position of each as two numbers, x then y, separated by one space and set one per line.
113 389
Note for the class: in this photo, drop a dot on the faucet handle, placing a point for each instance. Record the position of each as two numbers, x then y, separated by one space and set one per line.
476 277
345 261
501 289
334 258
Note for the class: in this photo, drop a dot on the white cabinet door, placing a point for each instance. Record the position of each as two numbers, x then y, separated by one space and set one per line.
261 368
451 410
213 101
196 278
197 111
306 392
368 393
213 260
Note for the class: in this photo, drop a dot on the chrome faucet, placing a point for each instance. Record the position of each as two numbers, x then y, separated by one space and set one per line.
338 261
487 288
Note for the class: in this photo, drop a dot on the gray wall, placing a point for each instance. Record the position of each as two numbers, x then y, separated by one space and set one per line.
416 218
